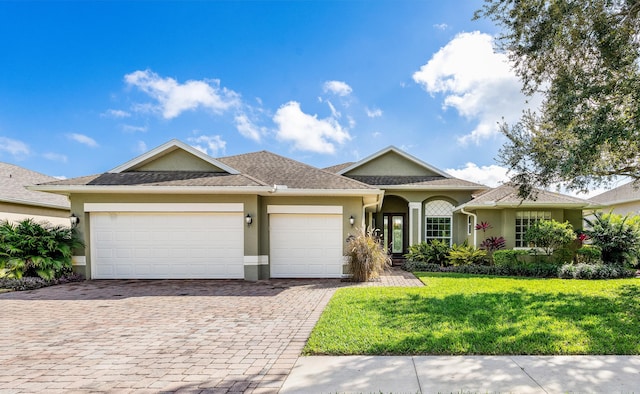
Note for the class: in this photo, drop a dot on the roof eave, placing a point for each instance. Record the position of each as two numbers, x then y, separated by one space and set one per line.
428 187
35 203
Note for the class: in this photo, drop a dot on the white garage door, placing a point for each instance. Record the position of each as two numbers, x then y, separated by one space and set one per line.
305 245
151 245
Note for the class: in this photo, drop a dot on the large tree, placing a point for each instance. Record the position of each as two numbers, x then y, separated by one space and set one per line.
583 57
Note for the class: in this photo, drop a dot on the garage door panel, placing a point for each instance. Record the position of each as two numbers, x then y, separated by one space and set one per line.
167 245
305 245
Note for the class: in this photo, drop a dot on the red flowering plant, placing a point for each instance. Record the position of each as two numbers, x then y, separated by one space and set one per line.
490 244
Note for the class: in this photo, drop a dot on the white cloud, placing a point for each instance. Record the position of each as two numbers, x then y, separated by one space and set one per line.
60 177
55 157
374 112
477 82
15 148
83 139
141 147
247 128
441 26
334 112
337 87
376 134
116 113
133 129
492 175
209 144
307 132
174 98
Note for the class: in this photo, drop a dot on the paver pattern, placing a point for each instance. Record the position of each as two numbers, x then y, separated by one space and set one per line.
154 336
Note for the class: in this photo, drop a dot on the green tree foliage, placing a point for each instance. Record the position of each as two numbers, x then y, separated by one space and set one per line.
617 236
32 249
550 235
466 255
582 56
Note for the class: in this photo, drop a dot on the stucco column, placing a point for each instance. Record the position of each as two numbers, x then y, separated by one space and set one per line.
415 228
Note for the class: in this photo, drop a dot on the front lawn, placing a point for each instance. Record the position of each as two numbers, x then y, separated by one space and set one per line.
466 314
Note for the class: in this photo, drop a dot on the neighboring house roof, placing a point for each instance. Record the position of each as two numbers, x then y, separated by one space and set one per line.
13 180
628 192
507 196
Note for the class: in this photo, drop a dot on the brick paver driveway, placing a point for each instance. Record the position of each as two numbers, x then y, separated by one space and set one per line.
158 336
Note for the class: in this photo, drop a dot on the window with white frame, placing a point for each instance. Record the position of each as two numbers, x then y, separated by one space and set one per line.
526 219
469 224
438 215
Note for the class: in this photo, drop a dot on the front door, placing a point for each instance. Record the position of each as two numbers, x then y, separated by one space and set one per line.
394 233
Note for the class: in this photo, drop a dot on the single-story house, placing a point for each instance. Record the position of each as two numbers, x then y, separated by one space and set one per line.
18 203
175 212
623 200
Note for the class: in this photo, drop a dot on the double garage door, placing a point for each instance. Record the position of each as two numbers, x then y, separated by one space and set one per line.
140 242
168 245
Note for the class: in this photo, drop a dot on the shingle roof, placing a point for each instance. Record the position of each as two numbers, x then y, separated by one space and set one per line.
172 178
278 170
339 167
507 194
416 180
13 180
625 193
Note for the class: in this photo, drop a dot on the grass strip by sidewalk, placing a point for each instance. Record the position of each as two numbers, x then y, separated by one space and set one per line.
466 314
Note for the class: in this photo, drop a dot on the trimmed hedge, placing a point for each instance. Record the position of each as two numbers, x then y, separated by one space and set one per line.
538 270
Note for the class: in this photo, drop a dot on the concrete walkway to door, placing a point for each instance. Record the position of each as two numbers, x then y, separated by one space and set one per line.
161 335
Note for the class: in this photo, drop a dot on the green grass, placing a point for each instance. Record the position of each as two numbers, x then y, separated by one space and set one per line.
466 314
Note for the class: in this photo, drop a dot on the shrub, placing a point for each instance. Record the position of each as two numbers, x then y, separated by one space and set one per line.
32 283
588 255
508 258
413 266
618 237
32 249
466 255
536 270
550 235
367 257
594 271
434 252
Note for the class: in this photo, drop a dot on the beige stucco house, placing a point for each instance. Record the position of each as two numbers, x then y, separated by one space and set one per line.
623 200
175 212
18 203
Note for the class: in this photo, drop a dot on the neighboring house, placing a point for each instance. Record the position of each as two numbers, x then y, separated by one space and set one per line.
623 200
18 203
175 212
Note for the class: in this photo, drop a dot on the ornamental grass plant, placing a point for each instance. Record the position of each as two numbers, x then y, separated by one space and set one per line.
367 256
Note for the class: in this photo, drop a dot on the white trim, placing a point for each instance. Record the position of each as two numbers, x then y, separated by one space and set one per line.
164 207
170 146
415 206
308 209
399 152
79 260
256 260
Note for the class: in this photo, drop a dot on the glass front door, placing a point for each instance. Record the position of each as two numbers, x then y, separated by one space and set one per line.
394 233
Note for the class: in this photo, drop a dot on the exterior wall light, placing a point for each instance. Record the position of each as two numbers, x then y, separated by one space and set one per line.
248 219
74 220
352 220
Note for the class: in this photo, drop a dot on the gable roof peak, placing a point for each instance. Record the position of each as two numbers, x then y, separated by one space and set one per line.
400 152
169 147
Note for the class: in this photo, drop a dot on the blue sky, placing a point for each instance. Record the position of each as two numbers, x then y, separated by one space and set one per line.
87 86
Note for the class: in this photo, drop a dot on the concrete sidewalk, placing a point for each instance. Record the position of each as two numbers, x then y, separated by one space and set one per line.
464 374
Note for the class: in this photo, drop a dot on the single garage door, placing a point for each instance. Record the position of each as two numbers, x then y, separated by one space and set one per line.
180 245
305 245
